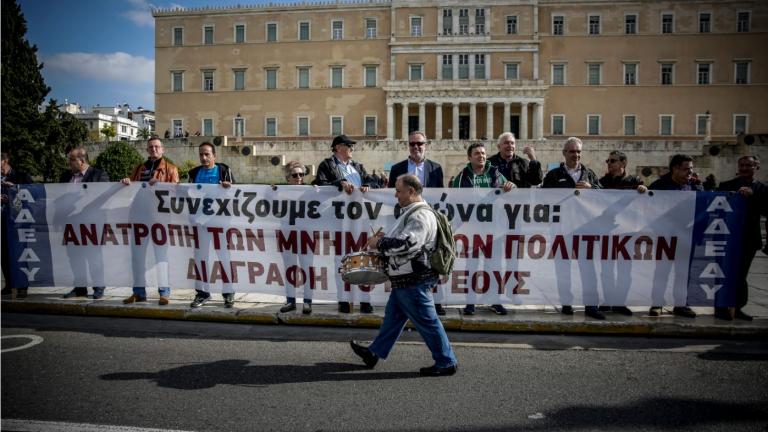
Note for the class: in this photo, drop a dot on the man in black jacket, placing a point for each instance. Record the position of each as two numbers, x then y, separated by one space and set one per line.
430 173
341 171
756 194
519 171
680 178
572 174
10 178
211 172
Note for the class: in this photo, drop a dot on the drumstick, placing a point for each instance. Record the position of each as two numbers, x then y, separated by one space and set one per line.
375 233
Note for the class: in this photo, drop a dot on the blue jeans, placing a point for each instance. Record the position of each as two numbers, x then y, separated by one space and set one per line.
142 291
415 304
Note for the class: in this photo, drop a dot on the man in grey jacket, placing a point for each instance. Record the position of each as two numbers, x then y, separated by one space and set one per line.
407 247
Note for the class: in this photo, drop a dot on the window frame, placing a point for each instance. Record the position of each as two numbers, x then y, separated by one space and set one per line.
552 73
599 124
173 81
710 72
599 23
375 125
266 78
636 24
636 77
624 119
710 22
234 126
599 73
446 67
418 30
234 35
298 125
235 71
267 26
749 21
554 25
333 30
331 118
671 124
480 66
202 128
672 23
309 30
552 124
266 126
375 28
411 69
507 65
696 131
173 36
212 80
375 76
671 73
299 69
748 77
331 70
746 122
213 34
514 29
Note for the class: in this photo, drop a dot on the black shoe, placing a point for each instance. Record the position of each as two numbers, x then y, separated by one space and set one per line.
591 311
439 309
723 314
742 316
229 300
604 308
567 310
621 310
654 311
469 309
436 371
199 300
21 293
344 307
684 311
370 359
288 307
307 309
498 309
77 292
366 308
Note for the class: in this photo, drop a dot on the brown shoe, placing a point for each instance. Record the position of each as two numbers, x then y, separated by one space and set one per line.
134 299
163 301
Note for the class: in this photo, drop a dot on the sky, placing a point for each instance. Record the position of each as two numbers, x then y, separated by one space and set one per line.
100 51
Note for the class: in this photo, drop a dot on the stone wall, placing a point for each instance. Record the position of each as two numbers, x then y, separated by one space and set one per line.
262 161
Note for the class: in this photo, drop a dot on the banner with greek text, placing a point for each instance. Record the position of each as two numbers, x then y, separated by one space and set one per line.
527 247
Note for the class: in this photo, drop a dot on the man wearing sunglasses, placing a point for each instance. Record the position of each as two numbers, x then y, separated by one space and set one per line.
617 177
341 171
430 173
211 172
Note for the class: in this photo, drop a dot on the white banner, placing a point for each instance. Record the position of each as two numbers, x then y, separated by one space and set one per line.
533 247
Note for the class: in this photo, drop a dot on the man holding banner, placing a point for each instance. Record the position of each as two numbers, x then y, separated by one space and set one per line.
406 245
155 169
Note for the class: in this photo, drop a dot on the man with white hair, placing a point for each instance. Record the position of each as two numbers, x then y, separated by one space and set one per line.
523 173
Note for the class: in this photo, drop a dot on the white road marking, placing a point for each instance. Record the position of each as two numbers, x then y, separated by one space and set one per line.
34 341
46 426
536 416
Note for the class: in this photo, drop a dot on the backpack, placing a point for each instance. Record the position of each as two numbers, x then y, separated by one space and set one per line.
442 258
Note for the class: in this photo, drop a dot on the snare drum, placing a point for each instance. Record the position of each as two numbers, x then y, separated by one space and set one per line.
363 268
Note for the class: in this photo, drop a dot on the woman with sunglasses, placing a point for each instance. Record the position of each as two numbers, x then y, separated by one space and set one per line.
294 174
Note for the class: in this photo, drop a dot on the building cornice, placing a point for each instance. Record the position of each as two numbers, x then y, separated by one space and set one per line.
272 7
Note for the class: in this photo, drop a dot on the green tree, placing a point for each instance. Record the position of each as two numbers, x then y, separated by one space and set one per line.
144 133
23 91
109 131
118 160
61 131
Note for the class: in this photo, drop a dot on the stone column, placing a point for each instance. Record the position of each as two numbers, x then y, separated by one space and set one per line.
506 118
422 116
524 120
455 121
438 120
473 120
471 66
390 121
538 117
489 120
404 126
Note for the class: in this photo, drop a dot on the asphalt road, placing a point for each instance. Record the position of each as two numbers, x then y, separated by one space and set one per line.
233 377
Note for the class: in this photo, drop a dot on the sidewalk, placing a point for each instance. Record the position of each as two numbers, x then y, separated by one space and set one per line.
264 309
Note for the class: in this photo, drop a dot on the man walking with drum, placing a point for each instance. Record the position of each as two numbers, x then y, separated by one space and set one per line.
407 246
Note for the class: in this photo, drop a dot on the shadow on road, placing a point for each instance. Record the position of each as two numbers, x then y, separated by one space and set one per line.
238 372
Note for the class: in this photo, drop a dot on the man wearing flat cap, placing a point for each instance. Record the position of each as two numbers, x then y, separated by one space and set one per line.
341 171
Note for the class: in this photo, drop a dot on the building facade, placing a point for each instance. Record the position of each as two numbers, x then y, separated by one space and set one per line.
117 116
599 69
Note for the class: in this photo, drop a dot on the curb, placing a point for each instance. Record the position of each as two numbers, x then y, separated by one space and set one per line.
704 326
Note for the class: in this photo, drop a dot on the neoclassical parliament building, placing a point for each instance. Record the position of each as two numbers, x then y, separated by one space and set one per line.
465 70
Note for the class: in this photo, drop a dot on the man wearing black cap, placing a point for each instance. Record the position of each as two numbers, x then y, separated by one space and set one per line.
341 171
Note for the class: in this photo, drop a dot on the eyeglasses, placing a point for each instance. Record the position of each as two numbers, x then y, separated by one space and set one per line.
416 143
297 175
610 161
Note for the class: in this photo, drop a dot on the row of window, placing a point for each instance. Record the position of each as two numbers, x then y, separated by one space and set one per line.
461 25
666 124
630 73
303 32
301 126
594 23
336 78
